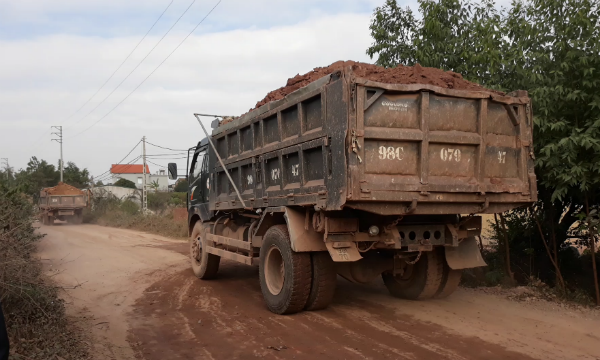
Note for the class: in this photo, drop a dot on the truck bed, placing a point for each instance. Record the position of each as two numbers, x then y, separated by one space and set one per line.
344 141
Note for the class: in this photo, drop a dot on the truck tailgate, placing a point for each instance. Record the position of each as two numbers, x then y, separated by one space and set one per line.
439 144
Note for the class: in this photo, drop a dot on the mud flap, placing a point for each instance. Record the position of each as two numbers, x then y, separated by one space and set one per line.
343 251
465 255
303 238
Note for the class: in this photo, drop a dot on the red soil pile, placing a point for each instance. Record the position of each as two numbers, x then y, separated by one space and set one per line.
398 75
63 189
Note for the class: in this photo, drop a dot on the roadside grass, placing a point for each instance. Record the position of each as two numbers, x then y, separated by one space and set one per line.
126 214
37 325
161 224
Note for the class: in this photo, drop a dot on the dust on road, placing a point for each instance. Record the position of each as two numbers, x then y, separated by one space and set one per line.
142 301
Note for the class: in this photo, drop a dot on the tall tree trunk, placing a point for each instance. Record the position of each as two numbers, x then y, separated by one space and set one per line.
506 246
552 224
593 248
556 268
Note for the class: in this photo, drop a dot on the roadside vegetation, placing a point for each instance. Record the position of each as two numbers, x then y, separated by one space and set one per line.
551 49
35 315
107 210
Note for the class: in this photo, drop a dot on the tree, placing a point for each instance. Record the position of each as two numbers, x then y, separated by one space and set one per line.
125 183
181 186
550 48
155 185
99 183
73 176
38 174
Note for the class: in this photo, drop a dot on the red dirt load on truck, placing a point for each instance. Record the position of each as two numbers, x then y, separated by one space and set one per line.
398 75
63 189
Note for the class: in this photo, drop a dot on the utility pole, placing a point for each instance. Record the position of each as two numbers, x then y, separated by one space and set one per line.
59 139
144 197
5 162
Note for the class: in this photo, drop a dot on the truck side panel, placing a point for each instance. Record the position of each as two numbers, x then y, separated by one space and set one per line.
284 157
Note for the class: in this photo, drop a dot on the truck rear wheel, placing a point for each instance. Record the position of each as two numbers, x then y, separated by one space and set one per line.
323 282
450 281
204 265
285 275
420 280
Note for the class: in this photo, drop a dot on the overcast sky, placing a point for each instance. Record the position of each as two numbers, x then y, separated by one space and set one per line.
54 55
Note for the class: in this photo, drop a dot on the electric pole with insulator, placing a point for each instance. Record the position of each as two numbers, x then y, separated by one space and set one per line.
59 139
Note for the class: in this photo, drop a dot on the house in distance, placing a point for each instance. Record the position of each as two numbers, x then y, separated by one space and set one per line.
135 173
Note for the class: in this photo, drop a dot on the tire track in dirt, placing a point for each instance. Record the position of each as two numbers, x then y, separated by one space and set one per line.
226 319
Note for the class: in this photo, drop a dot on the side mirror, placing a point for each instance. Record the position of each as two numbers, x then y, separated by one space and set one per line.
172 168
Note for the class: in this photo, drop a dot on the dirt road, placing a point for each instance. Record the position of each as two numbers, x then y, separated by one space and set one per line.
142 302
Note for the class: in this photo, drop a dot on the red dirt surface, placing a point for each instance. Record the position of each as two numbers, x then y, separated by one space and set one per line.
398 75
63 189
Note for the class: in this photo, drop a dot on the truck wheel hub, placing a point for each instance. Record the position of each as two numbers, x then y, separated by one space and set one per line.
275 271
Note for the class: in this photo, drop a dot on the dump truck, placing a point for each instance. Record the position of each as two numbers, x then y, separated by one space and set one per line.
358 178
62 202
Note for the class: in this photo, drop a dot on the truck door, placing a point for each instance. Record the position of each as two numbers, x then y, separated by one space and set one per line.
198 178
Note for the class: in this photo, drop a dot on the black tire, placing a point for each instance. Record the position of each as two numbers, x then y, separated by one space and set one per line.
450 280
420 281
204 265
324 278
285 275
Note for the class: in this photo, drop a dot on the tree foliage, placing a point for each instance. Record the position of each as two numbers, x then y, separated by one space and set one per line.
40 174
125 183
181 186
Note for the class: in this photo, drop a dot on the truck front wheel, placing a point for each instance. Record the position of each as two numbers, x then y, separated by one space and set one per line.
204 265
285 275
420 280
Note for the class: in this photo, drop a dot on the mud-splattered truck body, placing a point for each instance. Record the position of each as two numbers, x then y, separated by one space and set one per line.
62 202
358 178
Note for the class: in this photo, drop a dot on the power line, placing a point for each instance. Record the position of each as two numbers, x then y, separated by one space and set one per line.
162 158
173 154
159 65
140 63
129 153
166 148
122 63
153 163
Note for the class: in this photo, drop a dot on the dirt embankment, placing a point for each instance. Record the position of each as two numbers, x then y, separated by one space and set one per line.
398 75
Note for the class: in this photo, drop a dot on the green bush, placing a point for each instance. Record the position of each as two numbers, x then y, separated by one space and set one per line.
125 183
160 201
130 207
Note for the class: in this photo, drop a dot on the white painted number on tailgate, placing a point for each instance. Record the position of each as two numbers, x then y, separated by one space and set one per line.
448 154
391 153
